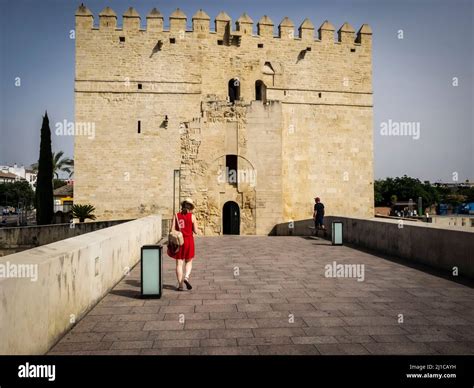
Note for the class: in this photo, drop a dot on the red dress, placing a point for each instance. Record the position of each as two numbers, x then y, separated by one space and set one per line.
186 251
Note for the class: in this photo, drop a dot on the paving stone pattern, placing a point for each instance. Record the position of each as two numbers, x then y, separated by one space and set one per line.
259 295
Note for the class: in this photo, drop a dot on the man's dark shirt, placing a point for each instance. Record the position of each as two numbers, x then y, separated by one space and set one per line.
319 209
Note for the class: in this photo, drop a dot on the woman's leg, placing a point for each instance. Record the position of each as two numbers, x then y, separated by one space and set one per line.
179 271
188 268
187 272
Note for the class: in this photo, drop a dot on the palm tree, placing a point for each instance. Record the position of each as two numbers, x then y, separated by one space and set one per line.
83 212
60 164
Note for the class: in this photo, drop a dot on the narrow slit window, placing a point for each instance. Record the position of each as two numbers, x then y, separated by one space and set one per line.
139 126
319 95
231 169
234 90
140 86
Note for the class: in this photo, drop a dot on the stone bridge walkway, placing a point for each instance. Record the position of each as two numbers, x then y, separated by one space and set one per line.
269 295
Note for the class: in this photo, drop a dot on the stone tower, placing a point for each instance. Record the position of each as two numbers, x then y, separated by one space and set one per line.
251 126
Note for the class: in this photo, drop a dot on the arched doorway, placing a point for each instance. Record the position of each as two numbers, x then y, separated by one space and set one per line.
231 218
234 89
260 91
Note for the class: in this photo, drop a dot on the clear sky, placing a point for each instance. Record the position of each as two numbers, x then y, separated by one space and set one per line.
413 77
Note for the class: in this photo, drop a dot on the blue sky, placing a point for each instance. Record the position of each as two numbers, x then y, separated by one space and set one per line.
412 77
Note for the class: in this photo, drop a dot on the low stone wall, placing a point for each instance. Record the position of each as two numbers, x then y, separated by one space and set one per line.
165 227
72 276
26 237
429 244
459 221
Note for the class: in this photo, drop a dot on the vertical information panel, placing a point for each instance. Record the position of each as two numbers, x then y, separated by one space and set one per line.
151 271
337 233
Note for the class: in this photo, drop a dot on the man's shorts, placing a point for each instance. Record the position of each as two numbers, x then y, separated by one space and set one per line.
318 221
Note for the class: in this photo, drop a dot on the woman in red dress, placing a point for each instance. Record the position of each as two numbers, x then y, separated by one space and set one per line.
187 226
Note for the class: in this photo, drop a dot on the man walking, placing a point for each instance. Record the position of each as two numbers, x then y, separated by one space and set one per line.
318 216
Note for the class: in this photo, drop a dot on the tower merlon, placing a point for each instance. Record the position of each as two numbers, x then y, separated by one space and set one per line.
265 27
326 32
222 25
364 35
345 34
286 29
306 30
107 19
178 21
154 21
201 21
244 24
131 20
84 18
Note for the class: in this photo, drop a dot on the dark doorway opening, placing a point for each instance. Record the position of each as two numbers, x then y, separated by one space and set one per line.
231 218
260 91
234 90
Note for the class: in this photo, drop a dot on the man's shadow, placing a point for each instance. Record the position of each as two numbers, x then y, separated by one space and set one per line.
318 240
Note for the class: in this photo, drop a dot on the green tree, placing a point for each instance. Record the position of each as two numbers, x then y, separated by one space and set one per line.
470 195
467 192
378 195
44 185
60 164
11 194
83 212
405 188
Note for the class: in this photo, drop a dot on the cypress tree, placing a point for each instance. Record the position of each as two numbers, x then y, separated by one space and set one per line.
44 185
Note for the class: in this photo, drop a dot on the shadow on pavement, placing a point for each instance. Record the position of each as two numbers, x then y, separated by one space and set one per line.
127 293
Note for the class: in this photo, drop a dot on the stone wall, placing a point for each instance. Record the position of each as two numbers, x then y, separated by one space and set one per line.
442 248
459 221
312 135
72 276
18 239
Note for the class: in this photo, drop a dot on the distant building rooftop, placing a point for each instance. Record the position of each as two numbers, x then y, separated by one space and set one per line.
8 175
454 184
64 191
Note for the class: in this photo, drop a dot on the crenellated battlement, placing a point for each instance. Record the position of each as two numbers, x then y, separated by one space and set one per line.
244 26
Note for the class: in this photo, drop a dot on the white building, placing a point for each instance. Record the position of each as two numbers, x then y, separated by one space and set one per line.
21 173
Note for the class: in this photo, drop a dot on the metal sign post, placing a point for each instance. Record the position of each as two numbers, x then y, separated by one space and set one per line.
336 234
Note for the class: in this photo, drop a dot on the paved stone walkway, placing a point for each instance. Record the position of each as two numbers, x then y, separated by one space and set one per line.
268 295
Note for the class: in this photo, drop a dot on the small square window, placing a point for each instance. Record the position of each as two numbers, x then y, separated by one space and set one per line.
260 45
140 86
172 40
353 50
220 42
122 39
308 48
